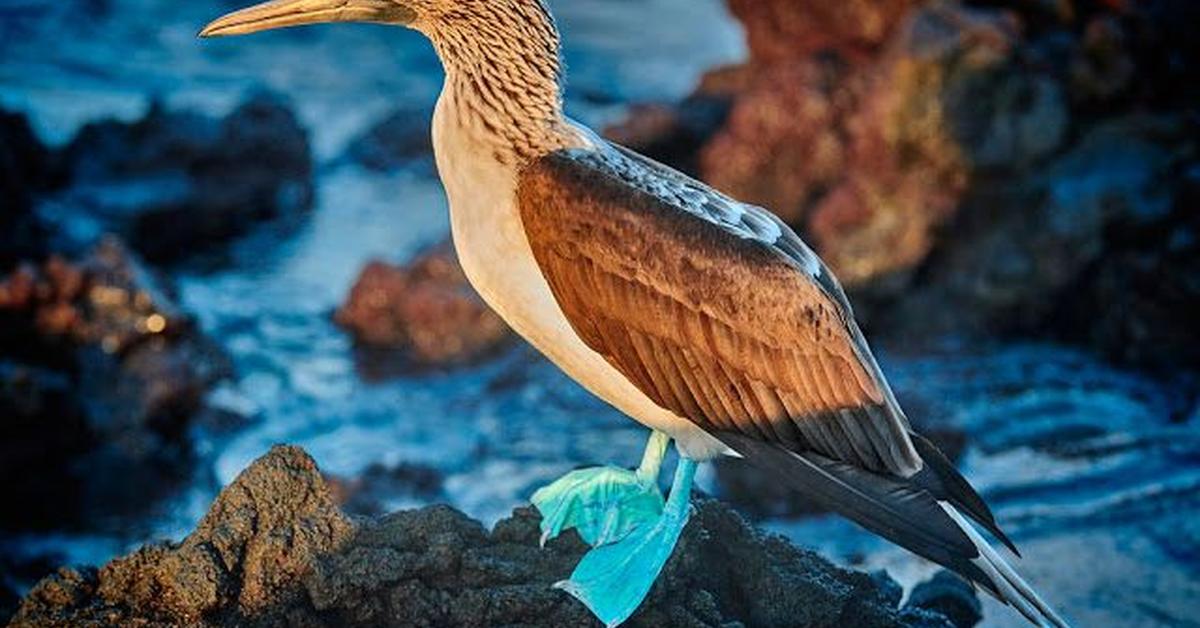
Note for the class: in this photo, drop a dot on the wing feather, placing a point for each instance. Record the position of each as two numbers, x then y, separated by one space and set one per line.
714 309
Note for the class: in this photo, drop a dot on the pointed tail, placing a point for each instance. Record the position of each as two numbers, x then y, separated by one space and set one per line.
1009 587
926 514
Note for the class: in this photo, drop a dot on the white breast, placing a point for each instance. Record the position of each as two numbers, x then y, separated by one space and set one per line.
490 241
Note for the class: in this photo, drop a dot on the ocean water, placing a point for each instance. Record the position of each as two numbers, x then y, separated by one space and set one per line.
1093 469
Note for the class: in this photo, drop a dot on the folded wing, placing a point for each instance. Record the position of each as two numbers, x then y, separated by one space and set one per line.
713 308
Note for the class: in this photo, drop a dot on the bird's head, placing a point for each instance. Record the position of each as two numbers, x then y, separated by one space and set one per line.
423 15
502 56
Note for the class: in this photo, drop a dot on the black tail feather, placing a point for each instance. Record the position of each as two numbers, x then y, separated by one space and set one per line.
944 482
925 514
905 515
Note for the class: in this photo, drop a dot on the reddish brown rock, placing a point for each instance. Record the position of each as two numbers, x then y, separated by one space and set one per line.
107 299
426 309
870 159
785 31
905 167
781 143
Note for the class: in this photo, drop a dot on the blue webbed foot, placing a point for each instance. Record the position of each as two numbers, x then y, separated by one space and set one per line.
603 504
613 579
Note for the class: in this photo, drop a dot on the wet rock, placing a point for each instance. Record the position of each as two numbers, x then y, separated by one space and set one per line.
24 170
426 310
175 182
950 596
100 374
275 550
401 140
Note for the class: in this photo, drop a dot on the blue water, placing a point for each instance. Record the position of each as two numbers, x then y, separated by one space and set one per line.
1092 468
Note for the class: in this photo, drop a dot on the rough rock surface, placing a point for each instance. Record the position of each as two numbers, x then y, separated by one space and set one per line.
866 158
426 310
174 182
949 595
275 550
100 375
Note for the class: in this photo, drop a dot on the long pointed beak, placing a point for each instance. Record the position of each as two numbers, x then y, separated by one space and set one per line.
284 13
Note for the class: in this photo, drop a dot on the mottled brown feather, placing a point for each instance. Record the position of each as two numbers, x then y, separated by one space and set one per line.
721 329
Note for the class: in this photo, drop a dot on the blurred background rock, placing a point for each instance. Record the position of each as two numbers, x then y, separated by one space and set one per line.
210 247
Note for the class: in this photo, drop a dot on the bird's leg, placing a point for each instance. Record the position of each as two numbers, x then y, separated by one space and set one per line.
652 457
612 580
604 504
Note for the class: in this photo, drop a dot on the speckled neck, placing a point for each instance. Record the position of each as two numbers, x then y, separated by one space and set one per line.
503 76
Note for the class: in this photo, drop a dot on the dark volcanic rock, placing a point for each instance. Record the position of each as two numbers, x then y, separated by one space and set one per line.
43 429
1098 204
100 375
1137 302
8 601
427 310
173 182
275 550
24 170
400 140
948 595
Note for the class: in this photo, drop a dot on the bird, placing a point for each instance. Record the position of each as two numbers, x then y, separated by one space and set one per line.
705 319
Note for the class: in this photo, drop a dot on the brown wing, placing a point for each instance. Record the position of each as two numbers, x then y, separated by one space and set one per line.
689 295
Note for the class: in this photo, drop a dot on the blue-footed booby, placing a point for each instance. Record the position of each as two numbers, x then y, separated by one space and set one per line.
705 319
